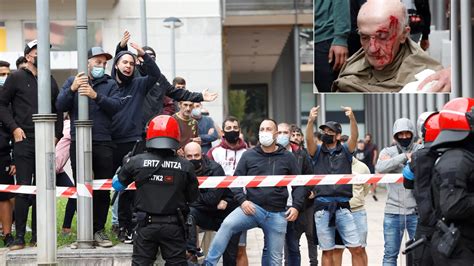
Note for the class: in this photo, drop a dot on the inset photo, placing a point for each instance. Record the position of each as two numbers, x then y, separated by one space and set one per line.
382 46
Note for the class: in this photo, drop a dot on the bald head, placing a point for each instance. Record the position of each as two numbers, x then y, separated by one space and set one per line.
383 28
192 151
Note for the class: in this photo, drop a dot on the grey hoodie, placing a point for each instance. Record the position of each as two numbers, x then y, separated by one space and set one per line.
400 200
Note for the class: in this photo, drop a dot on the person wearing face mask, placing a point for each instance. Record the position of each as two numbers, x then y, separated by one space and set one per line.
332 202
4 72
20 93
400 209
228 154
212 206
161 98
206 129
304 222
104 102
262 207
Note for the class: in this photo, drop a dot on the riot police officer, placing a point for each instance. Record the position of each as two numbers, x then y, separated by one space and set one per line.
453 185
165 184
417 176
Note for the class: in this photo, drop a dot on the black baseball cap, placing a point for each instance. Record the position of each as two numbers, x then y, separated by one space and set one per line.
31 45
334 126
149 50
96 51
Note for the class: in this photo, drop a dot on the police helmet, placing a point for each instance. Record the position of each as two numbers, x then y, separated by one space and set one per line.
163 133
456 121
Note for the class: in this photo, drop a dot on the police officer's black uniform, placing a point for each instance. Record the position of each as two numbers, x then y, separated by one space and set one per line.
453 185
165 185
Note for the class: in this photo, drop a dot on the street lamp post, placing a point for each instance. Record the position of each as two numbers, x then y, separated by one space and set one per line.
173 23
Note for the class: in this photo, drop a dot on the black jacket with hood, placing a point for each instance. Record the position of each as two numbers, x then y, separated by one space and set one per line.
128 123
21 91
153 103
101 109
255 162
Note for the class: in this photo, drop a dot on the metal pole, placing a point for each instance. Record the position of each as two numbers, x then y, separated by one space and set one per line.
173 55
322 109
430 102
466 48
404 110
379 111
455 50
83 138
413 108
296 55
440 101
439 15
44 146
143 22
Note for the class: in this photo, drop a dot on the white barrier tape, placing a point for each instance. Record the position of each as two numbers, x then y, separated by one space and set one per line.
226 182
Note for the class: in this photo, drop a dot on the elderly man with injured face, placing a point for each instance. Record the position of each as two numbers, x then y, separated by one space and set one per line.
388 59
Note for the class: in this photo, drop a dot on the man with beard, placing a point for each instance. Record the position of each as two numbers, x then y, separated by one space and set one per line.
400 209
228 154
262 207
213 204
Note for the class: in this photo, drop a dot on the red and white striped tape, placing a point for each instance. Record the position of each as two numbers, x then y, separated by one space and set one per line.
227 182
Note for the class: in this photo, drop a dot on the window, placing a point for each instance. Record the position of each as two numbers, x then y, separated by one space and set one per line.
63 34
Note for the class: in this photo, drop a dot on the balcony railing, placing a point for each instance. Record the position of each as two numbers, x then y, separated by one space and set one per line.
268 5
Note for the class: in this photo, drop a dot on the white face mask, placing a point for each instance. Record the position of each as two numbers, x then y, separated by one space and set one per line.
265 138
2 80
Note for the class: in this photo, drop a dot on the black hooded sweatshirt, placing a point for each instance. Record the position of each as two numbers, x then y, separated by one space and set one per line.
255 162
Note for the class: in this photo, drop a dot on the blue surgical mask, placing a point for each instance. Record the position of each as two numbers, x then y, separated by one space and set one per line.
2 80
283 140
196 113
97 72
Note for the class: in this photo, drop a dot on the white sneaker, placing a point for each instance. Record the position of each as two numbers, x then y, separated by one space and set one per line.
102 240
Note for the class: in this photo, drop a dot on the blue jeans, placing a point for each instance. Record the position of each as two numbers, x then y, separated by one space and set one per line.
360 219
345 226
292 245
393 227
273 225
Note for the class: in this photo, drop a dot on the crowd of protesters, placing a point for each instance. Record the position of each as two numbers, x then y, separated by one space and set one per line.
332 217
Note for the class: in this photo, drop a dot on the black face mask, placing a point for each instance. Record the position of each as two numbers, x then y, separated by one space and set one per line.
404 142
327 139
35 63
124 79
231 136
197 165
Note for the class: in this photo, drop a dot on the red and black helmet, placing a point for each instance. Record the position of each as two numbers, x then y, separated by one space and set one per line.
430 129
456 121
163 133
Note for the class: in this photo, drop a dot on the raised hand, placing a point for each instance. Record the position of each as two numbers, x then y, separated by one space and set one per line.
140 51
313 114
125 39
209 96
348 111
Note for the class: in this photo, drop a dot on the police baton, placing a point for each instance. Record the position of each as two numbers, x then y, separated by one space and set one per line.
413 245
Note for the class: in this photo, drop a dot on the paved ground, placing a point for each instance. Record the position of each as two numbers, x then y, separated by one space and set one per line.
374 242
